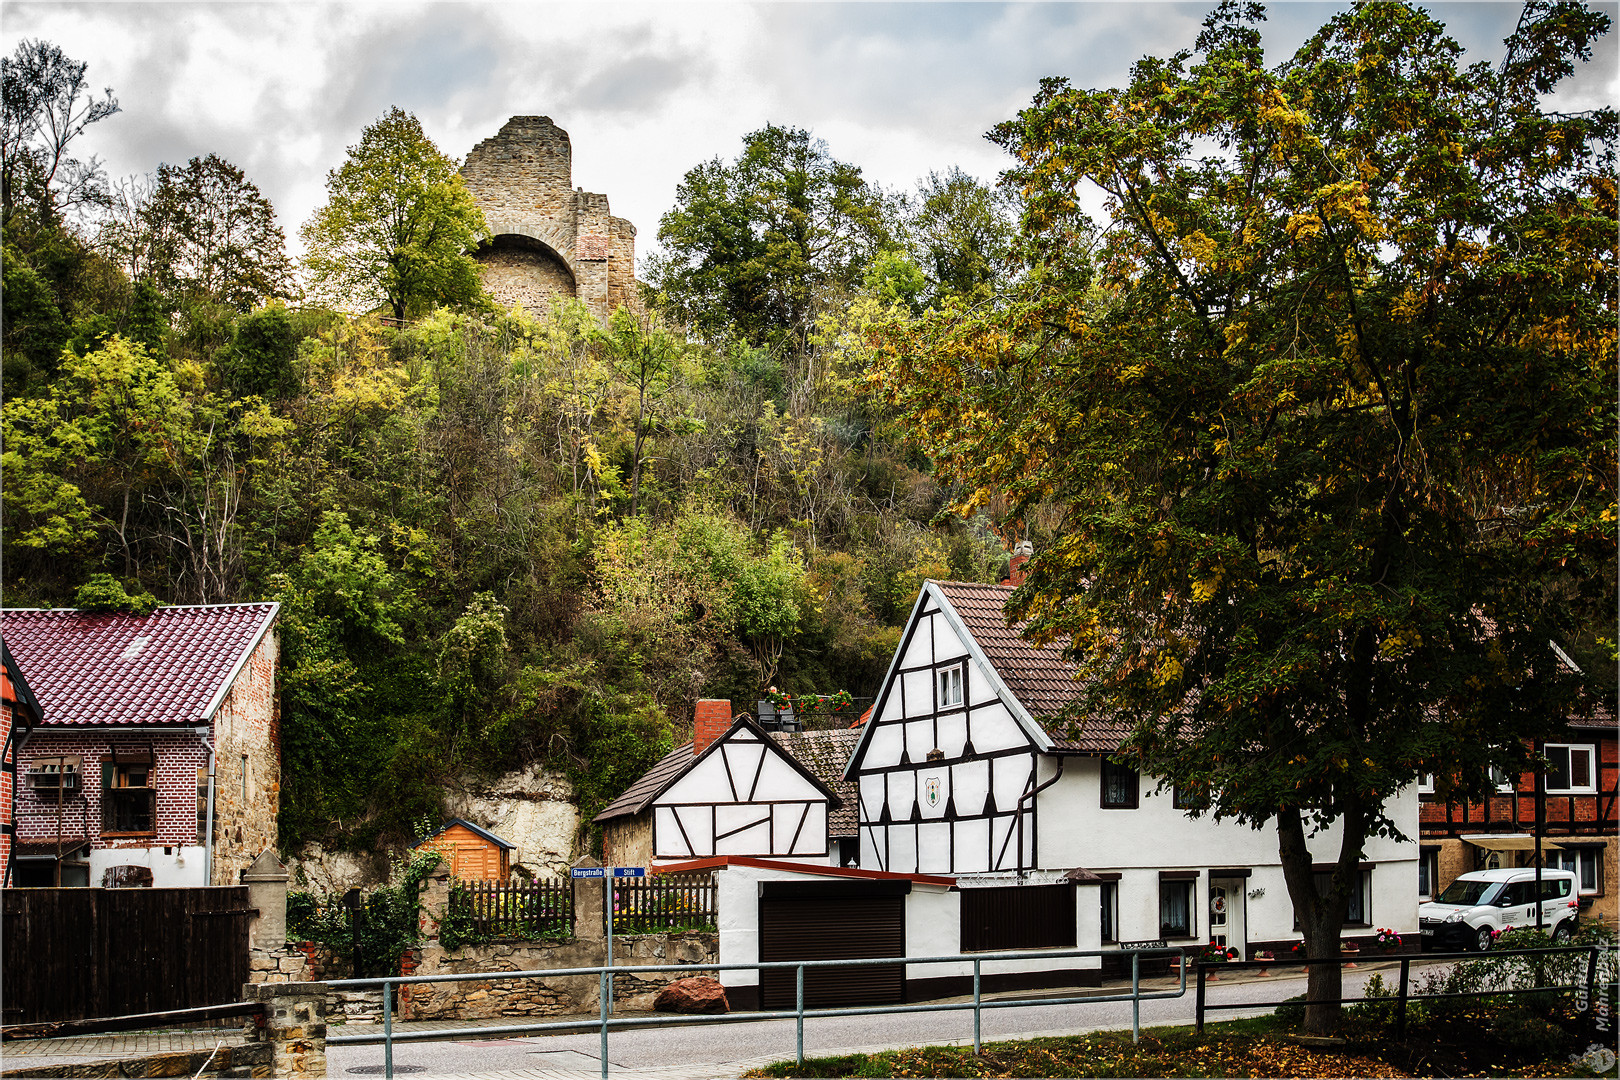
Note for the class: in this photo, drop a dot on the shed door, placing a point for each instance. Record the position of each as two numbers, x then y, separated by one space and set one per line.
833 922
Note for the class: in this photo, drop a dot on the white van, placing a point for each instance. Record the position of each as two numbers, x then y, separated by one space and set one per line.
1481 904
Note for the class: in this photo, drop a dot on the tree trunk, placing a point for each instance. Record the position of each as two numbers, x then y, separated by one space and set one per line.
1321 918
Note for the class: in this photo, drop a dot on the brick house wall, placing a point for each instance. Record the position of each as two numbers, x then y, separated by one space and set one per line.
8 787
176 755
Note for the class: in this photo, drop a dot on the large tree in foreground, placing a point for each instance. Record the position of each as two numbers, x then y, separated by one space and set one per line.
398 228
1330 428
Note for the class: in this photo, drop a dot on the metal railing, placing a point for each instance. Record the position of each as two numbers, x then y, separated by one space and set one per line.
387 1037
1403 993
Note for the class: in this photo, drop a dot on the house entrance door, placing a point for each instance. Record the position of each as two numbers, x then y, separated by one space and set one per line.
1227 922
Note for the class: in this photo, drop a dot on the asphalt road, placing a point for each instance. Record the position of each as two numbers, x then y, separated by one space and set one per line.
727 1044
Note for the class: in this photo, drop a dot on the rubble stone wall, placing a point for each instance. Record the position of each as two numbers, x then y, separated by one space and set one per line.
522 179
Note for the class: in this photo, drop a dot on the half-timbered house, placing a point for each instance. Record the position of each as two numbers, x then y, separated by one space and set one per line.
1050 842
735 789
1577 817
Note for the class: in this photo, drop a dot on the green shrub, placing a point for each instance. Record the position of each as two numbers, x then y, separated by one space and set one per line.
1291 1013
1530 1034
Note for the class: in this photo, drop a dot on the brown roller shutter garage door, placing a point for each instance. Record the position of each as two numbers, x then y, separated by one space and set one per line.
833 921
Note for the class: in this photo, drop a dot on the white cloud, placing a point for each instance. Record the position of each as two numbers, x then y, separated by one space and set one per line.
645 91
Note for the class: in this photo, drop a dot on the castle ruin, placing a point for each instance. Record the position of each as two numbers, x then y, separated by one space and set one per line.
549 238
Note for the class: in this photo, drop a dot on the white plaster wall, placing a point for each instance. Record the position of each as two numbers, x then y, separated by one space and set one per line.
1074 830
183 866
933 928
736 892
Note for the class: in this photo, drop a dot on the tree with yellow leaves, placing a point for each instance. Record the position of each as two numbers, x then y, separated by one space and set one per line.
1328 411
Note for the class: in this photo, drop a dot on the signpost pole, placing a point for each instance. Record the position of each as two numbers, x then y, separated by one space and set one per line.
607 913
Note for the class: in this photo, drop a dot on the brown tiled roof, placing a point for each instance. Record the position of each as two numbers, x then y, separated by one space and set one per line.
1037 675
824 754
643 791
169 667
813 758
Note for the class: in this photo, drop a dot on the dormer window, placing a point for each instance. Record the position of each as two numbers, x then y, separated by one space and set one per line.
950 687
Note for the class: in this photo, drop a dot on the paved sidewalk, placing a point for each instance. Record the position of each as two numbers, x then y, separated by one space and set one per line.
19 1057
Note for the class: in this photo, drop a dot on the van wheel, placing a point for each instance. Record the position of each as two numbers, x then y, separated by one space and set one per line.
1482 942
1562 933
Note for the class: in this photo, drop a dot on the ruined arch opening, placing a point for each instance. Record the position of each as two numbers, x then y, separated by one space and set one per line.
525 271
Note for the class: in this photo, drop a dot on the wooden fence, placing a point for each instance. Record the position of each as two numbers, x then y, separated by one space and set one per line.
528 909
73 953
662 905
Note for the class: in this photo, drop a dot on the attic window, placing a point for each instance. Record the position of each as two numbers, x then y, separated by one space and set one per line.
950 687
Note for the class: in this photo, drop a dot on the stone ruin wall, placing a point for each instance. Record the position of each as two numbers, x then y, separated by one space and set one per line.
551 239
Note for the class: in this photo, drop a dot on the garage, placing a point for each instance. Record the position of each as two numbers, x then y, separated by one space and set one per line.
833 920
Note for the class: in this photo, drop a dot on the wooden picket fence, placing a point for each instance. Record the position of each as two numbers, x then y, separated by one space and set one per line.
663 905
524 909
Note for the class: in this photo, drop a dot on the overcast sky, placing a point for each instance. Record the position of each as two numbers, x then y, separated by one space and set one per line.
645 91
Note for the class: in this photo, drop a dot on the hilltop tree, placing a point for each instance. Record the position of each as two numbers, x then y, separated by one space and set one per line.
45 108
211 236
750 244
398 227
1327 424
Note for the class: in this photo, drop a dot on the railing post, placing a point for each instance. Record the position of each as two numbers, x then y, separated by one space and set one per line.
1400 1004
1591 993
798 1019
1136 997
388 1030
602 1001
978 1014
1199 1025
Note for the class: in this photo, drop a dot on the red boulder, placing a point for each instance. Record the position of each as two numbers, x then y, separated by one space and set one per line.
699 994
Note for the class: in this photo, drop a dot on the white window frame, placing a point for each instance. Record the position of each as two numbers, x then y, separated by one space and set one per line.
952 692
1571 858
1425 783
1571 749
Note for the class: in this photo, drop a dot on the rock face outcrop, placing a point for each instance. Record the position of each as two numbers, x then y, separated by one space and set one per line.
550 239
700 994
532 809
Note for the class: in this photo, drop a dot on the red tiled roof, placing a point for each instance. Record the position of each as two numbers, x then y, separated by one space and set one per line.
1038 675
169 667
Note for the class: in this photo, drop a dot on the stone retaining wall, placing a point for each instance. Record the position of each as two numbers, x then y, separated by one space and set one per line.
487 999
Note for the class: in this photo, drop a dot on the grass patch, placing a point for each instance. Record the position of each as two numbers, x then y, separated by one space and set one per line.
1241 1048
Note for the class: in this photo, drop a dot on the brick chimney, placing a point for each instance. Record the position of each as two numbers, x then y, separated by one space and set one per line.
712 720
1015 566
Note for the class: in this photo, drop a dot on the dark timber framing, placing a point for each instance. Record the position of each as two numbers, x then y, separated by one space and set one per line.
1011 838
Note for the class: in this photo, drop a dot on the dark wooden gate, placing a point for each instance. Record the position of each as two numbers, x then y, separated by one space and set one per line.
69 954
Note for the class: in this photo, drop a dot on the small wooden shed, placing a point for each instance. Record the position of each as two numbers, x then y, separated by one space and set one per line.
473 853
